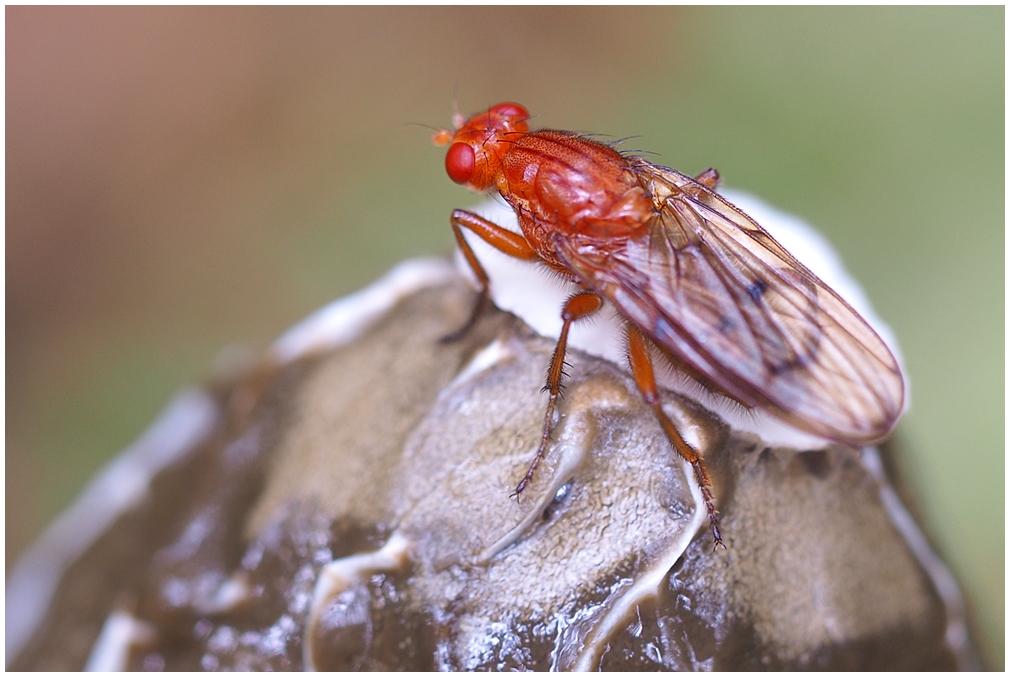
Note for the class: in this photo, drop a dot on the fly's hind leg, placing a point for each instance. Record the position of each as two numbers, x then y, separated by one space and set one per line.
502 239
708 178
641 368
577 307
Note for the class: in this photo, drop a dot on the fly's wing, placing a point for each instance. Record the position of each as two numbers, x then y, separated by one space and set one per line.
718 293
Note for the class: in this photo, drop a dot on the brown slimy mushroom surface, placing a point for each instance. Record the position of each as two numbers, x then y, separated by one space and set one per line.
350 509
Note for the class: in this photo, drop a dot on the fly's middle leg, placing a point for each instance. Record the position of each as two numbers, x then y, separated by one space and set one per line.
577 307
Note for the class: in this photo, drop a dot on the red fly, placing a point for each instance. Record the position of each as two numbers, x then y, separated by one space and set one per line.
696 280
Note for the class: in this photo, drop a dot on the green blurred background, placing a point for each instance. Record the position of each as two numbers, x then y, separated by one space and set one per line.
182 179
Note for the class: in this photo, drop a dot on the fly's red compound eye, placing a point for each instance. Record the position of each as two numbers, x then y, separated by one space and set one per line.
512 111
460 162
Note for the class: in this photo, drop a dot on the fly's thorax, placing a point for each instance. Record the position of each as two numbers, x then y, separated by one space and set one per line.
575 185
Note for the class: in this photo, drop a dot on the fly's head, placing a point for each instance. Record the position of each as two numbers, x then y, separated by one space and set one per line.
477 145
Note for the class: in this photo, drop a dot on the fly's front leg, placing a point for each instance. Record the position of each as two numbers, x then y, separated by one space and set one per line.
502 239
641 368
577 307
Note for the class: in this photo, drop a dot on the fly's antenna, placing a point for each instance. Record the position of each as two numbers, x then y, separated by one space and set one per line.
422 124
441 136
